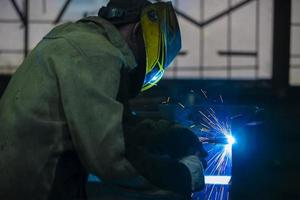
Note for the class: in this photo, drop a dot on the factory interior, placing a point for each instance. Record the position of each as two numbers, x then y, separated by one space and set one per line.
237 73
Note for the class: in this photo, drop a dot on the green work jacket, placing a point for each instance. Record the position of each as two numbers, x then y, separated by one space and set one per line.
60 107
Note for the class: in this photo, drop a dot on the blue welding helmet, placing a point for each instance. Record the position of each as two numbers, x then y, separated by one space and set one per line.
160 30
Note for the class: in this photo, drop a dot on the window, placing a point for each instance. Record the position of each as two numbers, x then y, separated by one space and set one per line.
295 44
224 39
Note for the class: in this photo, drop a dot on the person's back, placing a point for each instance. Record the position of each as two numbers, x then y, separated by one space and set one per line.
46 109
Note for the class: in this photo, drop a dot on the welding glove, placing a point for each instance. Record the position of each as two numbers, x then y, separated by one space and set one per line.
163 136
183 145
167 155
194 164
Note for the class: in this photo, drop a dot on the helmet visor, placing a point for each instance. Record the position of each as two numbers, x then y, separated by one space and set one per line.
162 40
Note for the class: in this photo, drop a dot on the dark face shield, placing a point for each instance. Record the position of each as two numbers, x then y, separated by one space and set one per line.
162 40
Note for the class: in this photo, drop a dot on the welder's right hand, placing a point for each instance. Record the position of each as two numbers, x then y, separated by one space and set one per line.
165 137
182 148
188 149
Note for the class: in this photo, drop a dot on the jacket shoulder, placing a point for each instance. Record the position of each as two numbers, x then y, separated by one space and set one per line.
88 38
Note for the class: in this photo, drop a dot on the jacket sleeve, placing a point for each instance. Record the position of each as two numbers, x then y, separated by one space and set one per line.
88 87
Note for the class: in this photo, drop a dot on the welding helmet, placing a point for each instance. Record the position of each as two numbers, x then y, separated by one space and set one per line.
160 30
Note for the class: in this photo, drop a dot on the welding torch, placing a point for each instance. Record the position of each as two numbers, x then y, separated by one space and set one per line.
228 139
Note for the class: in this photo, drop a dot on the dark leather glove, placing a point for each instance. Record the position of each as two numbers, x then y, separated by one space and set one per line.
175 139
158 146
161 171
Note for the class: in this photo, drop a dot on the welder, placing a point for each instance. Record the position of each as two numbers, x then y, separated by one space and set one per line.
65 111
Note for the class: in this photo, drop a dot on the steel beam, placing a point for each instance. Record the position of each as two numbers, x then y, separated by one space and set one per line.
19 12
62 11
26 27
238 53
281 45
214 18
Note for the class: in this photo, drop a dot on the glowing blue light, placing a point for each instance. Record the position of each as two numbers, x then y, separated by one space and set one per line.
156 77
230 139
217 180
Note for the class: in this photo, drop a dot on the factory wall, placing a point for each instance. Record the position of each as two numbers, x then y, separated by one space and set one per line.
247 29
217 37
40 10
295 44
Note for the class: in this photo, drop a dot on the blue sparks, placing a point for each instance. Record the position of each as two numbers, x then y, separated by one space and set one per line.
213 127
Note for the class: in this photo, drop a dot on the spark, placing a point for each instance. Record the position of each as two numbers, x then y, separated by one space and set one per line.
236 116
222 190
221 98
213 161
206 117
254 123
167 101
192 126
202 139
215 133
210 150
204 93
220 161
213 187
204 125
212 110
181 105
205 130
219 142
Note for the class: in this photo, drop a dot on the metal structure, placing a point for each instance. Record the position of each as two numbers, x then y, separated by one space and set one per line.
281 44
295 56
229 53
23 14
281 19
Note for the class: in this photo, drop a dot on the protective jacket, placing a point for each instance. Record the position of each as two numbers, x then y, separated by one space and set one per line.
60 107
